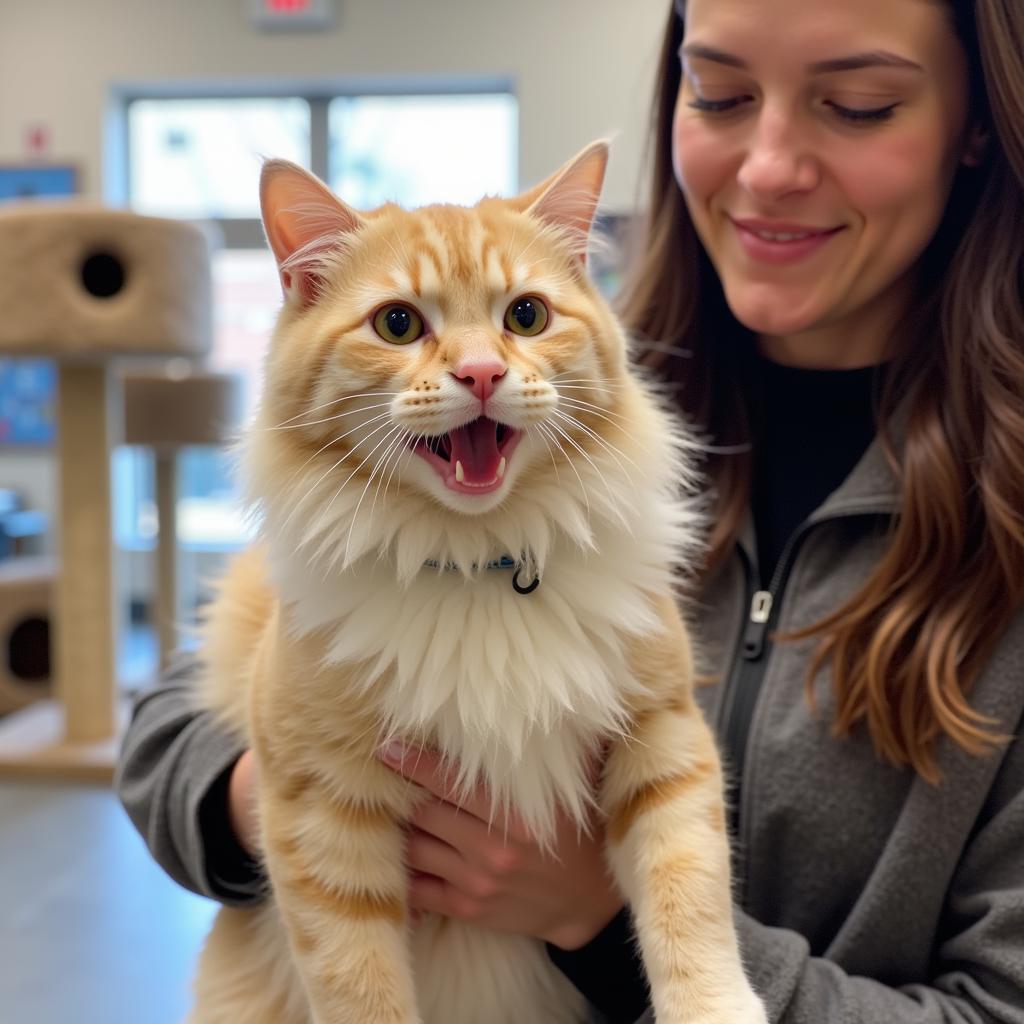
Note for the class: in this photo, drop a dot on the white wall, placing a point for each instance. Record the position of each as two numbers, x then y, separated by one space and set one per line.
582 69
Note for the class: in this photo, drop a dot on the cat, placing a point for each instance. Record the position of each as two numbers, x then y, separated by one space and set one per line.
471 511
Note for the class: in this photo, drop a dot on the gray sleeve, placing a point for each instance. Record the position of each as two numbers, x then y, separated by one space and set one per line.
978 974
174 756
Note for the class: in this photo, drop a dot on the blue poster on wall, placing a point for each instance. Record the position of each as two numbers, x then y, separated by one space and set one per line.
27 392
29 180
28 387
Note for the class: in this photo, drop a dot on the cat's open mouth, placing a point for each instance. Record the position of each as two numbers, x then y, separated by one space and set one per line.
473 458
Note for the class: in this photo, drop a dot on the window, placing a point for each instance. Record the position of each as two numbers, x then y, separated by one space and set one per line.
417 150
200 158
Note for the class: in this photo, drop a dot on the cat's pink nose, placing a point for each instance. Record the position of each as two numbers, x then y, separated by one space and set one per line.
480 377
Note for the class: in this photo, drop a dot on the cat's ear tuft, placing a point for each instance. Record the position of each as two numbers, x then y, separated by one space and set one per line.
305 224
568 199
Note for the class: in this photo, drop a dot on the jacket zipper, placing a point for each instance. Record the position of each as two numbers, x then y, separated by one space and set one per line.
743 686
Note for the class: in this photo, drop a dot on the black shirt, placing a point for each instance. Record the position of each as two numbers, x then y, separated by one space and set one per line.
810 428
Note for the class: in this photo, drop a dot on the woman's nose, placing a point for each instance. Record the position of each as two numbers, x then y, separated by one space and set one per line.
778 160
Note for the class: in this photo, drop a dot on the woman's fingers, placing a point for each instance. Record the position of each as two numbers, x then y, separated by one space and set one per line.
437 776
242 810
442 882
431 895
484 847
426 854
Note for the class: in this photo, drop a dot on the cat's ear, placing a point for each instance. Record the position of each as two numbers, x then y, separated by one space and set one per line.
568 199
305 222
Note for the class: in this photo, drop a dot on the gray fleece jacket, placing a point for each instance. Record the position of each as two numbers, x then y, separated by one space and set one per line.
864 895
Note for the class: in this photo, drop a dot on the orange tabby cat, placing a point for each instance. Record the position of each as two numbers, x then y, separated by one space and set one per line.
449 417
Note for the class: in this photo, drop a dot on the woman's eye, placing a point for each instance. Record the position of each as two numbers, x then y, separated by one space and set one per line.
854 115
526 316
398 324
715 106
857 116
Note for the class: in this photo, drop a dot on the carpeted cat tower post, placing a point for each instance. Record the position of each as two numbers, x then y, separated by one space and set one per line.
153 405
84 286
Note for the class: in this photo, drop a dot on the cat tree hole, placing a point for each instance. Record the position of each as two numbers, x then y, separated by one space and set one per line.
28 650
103 275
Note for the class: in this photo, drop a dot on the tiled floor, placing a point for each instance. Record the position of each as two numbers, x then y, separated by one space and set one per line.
91 930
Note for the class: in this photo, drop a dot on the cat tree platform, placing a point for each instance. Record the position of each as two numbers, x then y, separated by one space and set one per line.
85 286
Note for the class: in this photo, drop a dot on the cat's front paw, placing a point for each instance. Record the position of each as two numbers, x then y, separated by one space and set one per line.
744 1008
741 1008
754 1013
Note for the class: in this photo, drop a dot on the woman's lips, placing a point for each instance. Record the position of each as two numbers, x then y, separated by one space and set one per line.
777 243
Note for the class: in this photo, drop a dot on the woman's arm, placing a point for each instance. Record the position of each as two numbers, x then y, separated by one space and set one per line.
978 970
173 776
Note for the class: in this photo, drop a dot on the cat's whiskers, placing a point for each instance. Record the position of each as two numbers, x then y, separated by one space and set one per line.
560 378
334 401
600 384
581 387
613 504
610 448
300 502
545 428
335 440
330 419
547 444
414 439
378 466
392 456
408 452
384 440
615 419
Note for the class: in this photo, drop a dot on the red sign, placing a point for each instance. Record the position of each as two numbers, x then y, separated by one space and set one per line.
37 139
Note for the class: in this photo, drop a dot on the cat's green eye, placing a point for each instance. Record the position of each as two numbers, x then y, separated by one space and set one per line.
527 316
398 324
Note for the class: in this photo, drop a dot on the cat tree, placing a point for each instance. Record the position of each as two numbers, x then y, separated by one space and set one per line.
84 286
153 405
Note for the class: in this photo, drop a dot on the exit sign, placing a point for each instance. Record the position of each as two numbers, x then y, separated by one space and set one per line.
292 14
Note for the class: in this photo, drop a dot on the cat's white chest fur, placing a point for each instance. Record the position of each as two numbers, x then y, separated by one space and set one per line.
515 688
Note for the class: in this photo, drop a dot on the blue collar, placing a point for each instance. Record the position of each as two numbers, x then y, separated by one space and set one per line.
505 562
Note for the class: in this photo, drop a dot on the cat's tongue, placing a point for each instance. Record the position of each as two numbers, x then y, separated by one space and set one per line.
475 447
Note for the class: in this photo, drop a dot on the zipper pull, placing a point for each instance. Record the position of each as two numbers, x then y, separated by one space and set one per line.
757 625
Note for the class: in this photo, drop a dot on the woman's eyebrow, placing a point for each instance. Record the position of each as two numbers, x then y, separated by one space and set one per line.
871 59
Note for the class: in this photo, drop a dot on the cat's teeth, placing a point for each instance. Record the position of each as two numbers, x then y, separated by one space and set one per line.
460 473
501 467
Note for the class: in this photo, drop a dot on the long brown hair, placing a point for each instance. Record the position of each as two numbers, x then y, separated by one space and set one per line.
906 649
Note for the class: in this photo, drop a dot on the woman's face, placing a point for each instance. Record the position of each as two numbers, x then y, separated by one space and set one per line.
815 142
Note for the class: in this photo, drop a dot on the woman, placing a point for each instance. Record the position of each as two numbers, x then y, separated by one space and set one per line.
833 265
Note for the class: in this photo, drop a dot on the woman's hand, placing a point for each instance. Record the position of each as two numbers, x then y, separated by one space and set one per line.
496 875
242 803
